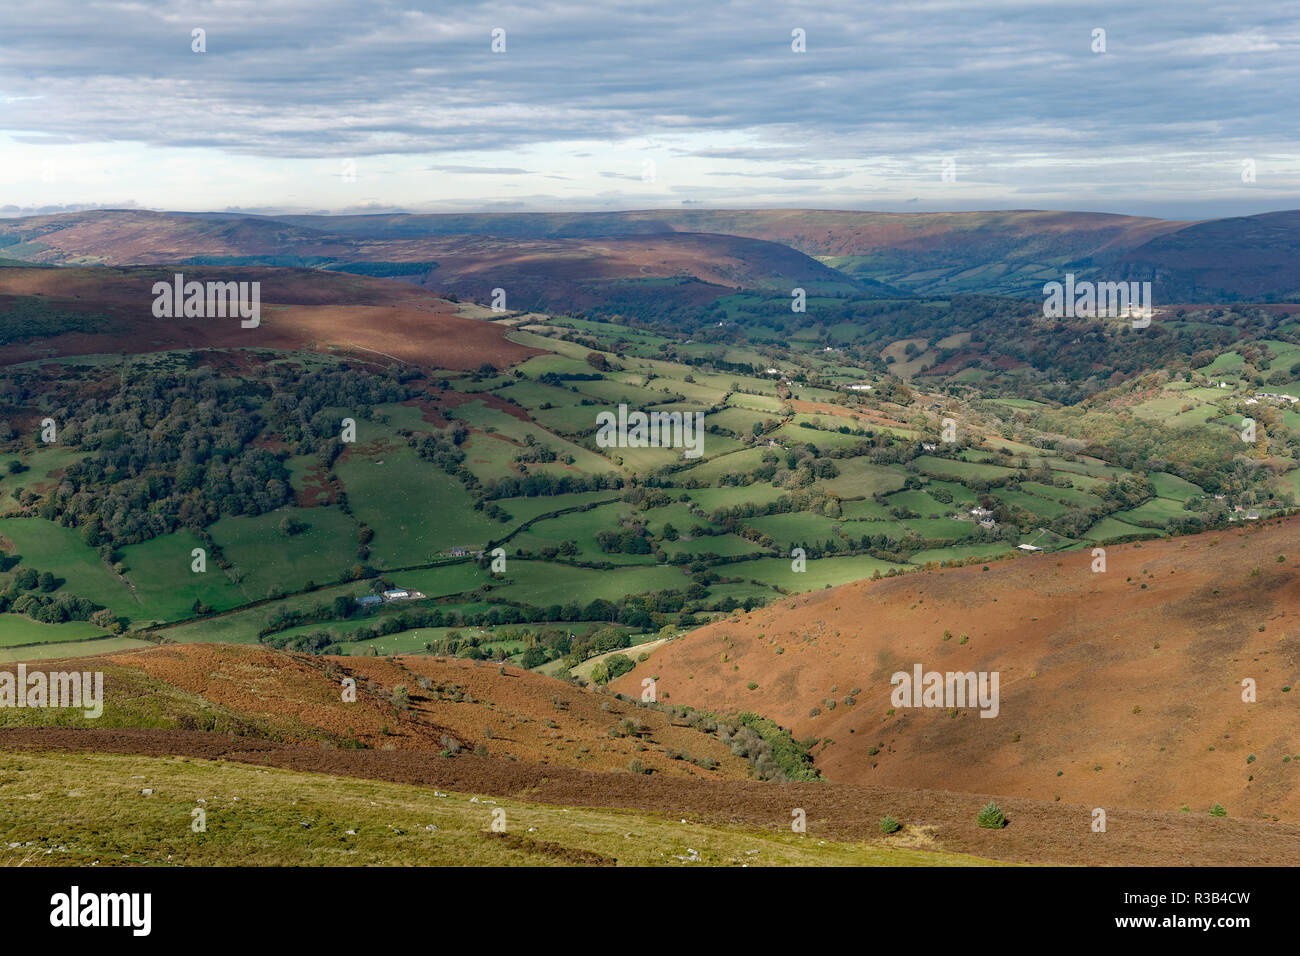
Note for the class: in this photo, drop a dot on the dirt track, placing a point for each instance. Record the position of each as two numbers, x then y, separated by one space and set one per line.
1038 832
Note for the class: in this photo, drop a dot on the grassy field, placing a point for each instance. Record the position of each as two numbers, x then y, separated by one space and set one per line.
543 584
161 574
17 630
89 808
960 470
859 478
819 572
55 651
46 546
269 561
1112 529
416 509
1159 510
788 530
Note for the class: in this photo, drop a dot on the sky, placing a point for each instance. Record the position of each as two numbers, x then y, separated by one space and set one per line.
1181 110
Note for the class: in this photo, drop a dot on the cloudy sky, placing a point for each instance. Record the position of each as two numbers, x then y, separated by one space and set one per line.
343 106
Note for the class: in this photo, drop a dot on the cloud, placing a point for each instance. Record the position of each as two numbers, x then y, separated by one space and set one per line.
990 82
793 173
482 170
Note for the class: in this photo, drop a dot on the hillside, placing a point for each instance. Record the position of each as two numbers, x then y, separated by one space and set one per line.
287 773
87 311
449 705
559 259
1118 689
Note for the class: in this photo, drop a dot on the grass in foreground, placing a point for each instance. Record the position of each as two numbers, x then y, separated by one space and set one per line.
80 809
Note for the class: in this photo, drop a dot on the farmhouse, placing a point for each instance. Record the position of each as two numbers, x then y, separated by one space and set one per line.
369 600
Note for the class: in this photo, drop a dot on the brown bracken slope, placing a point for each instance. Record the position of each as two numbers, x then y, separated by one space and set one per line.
377 319
454 705
1118 689
257 706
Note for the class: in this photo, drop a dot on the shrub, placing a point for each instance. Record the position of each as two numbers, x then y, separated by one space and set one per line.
991 817
617 665
1218 811
890 825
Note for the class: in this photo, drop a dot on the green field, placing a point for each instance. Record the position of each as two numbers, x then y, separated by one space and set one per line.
416 510
860 478
16 630
160 572
46 546
959 470
543 584
819 572
396 510
268 561
788 530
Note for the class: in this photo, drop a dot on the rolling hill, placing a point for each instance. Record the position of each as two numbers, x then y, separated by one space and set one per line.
1118 689
560 259
285 772
95 310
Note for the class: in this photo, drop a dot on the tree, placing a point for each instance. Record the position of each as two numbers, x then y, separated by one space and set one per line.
290 526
